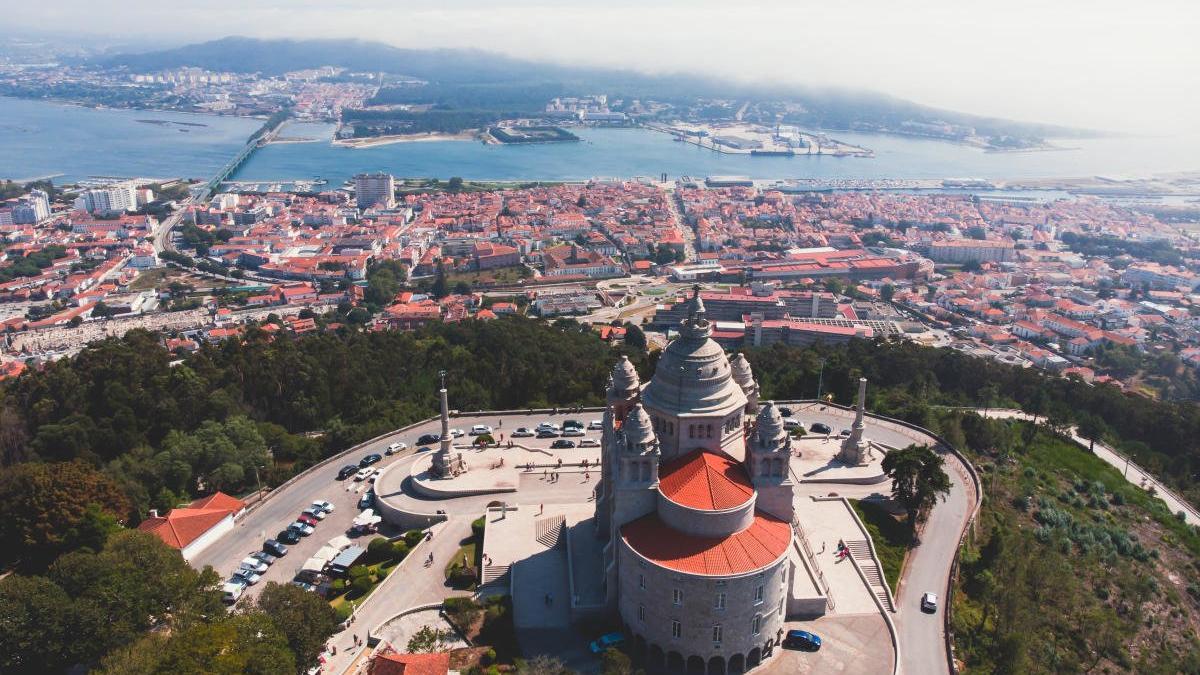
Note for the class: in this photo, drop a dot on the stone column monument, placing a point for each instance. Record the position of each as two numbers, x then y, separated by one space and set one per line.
855 448
444 465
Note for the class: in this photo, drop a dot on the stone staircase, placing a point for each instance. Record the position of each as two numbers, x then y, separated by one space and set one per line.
549 531
861 551
495 574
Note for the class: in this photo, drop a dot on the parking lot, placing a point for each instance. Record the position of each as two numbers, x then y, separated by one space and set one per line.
322 484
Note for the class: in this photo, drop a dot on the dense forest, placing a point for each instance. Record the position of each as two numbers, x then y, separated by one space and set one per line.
89 444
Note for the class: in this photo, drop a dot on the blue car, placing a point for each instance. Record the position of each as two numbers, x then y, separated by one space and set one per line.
802 639
606 641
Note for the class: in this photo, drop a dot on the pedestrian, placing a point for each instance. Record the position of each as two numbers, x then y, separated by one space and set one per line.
586 477
541 508
822 547
545 473
500 424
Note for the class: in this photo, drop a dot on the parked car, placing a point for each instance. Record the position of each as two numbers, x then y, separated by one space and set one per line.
606 641
547 426
367 500
802 639
370 459
307 520
562 443
275 548
929 602
347 471
315 514
818 428
323 505
429 439
231 591
572 423
480 429
456 433
522 432
304 585
844 432
785 412
246 576
395 447
790 423
288 536
364 474
264 557
589 443
595 425
253 564
572 431
302 528
547 433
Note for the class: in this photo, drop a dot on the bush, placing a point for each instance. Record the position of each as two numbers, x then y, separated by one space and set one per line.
413 537
489 657
343 611
477 526
339 585
358 572
362 584
379 548
399 550
381 574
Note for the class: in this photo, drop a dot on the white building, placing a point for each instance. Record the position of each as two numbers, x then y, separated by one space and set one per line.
121 196
375 190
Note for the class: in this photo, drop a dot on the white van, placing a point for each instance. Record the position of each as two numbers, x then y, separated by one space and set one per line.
232 591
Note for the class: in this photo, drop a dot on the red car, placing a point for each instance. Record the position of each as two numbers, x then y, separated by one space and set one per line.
307 519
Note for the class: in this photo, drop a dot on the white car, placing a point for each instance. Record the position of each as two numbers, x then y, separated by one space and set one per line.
572 431
253 564
480 429
456 433
232 590
522 432
791 423
589 443
319 514
595 425
323 505
929 602
364 474
395 447
547 426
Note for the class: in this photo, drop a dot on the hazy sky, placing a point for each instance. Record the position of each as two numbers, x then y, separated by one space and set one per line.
1120 65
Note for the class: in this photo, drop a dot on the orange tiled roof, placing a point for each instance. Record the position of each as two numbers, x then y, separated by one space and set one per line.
183 526
411 664
218 500
705 480
753 548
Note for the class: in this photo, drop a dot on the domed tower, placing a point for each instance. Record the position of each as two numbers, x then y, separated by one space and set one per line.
767 455
624 389
745 379
696 562
693 399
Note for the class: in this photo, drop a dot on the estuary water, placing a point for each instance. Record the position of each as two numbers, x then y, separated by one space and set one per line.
40 138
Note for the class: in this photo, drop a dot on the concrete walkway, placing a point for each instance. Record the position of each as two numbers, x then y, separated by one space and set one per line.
825 522
408 585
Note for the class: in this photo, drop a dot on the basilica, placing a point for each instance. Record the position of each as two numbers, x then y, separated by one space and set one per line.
695 507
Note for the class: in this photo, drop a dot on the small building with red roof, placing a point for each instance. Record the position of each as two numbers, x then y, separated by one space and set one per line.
192 528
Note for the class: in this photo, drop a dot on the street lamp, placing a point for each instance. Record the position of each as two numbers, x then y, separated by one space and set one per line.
820 379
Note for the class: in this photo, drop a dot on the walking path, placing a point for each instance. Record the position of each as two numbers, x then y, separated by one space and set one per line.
411 583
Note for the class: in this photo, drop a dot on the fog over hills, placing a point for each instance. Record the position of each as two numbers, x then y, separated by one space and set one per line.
484 79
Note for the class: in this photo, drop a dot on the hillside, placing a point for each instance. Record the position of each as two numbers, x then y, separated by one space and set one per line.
473 79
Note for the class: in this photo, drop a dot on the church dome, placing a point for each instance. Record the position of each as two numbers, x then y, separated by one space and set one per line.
770 425
741 371
624 375
638 428
694 375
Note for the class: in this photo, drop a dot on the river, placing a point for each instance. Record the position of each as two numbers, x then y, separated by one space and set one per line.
40 138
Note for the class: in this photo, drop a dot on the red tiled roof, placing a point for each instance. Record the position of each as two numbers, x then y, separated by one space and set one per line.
183 526
218 500
753 548
411 664
705 480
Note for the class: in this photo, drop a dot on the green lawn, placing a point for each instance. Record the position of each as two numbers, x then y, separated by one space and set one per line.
889 534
